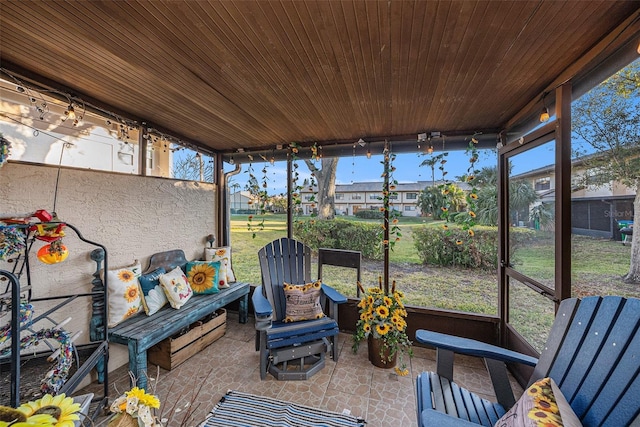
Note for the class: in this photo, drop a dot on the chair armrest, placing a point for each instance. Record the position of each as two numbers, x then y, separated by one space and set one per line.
333 295
261 306
472 347
431 417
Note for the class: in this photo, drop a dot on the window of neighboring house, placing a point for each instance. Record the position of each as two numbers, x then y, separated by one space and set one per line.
412 196
340 196
374 197
356 196
393 197
542 184
409 208
595 178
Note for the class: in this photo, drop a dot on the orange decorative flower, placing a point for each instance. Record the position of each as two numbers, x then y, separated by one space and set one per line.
471 233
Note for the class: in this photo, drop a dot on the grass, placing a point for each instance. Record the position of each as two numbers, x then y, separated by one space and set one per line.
597 268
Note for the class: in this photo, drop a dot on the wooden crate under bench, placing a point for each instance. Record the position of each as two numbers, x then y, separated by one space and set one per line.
174 350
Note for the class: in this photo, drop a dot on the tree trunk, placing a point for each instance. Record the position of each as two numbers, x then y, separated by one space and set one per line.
634 270
326 179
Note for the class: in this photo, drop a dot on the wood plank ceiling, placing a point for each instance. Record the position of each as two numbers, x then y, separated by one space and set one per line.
241 74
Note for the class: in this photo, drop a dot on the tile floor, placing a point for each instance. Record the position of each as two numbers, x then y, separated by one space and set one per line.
353 383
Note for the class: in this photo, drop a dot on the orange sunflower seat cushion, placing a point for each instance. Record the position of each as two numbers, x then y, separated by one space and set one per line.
541 405
302 302
205 277
123 293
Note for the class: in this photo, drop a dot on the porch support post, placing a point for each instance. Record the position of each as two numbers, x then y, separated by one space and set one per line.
142 154
563 193
223 221
289 197
503 244
385 198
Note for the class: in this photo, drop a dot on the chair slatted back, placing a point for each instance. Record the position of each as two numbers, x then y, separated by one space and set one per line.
283 260
593 354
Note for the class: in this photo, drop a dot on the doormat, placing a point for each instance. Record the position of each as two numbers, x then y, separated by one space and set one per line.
248 410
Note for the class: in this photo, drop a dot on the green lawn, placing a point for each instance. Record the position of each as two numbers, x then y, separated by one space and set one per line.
598 266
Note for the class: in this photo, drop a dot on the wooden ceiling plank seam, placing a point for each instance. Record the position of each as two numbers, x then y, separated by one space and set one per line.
344 67
284 71
335 85
401 35
352 55
313 79
264 83
216 84
379 53
367 68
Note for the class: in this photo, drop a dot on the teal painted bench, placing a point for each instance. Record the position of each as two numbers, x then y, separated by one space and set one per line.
141 332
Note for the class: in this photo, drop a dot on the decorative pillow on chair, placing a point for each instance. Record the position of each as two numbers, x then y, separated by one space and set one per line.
541 405
221 254
153 296
302 302
176 287
123 293
203 277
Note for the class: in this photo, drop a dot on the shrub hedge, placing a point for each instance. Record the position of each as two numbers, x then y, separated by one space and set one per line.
455 247
369 214
341 234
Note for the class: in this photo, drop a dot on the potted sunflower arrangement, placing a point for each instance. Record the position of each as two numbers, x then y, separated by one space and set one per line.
383 324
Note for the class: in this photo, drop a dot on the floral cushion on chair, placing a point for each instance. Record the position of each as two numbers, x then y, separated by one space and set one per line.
302 302
176 287
124 294
541 405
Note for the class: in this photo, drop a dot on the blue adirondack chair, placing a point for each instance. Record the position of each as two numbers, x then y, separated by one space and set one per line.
593 354
291 351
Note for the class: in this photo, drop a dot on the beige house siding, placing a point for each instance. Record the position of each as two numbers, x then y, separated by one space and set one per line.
132 216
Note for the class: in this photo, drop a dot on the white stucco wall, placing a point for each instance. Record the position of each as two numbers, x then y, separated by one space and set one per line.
132 216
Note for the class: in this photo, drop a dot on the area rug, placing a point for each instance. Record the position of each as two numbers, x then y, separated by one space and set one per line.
248 410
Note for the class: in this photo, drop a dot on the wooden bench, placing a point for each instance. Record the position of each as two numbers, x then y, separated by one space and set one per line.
141 332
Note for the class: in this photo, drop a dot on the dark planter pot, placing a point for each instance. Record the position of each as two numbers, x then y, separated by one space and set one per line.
378 358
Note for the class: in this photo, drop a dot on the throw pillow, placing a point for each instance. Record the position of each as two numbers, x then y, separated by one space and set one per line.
153 296
123 293
176 287
221 254
302 302
541 405
203 276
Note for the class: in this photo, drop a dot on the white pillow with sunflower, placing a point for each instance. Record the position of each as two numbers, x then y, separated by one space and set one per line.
176 287
124 293
222 254
205 277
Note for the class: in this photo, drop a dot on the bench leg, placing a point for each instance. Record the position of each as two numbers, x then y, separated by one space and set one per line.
138 365
243 308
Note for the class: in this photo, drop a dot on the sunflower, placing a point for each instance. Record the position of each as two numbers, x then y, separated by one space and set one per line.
367 328
131 294
221 252
387 301
402 372
472 214
445 227
473 196
59 407
144 398
126 275
459 242
471 233
383 329
382 311
201 277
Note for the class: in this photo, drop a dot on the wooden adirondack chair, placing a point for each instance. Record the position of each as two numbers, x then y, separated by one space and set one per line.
291 351
593 354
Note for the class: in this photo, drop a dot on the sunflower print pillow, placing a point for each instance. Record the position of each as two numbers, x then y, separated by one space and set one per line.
302 302
124 293
204 277
541 405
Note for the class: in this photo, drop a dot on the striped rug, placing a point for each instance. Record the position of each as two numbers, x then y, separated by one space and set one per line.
248 410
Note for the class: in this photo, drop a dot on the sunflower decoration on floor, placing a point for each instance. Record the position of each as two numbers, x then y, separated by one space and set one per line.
49 411
135 407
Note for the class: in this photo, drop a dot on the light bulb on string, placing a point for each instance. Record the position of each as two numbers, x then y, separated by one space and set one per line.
368 152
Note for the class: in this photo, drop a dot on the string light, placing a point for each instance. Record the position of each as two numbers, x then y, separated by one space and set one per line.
544 115
368 152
